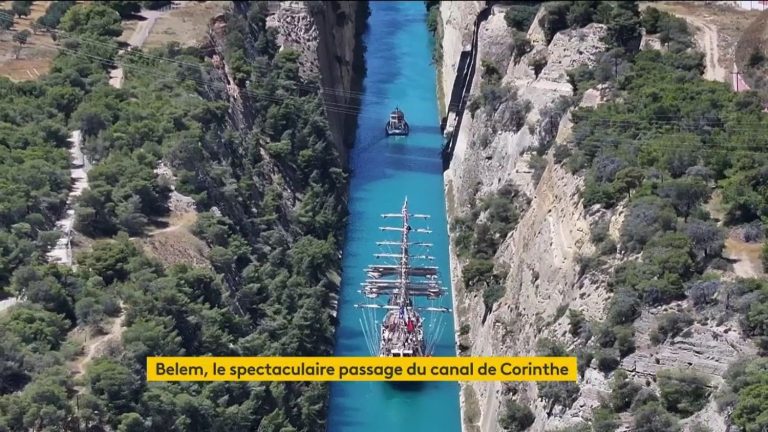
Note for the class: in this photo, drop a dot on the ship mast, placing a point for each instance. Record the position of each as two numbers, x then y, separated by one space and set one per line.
404 277
402 330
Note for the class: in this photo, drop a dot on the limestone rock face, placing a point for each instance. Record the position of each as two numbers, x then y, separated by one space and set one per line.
296 30
502 160
572 48
327 35
458 21
541 256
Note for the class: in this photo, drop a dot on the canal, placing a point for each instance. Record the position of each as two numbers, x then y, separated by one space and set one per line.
385 171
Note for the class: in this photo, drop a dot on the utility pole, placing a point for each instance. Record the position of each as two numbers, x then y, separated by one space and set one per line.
553 127
736 80
616 67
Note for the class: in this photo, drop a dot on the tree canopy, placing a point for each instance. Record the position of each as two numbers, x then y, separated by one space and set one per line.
270 191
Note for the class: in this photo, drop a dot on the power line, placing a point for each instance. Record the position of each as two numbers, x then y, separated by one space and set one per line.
693 147
257 68
350 109
347 109
676 120
344 108
330 106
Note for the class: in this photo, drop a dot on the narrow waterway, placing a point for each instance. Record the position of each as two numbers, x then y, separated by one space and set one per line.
385 171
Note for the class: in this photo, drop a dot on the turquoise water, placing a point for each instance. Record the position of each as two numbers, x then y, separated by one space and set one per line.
385 171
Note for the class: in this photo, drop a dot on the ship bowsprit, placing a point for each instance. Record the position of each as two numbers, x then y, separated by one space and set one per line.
403 331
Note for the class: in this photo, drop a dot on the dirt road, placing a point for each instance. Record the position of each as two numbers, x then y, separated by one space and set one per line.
716 28
140 34
707 37
94 347
5 304
746 256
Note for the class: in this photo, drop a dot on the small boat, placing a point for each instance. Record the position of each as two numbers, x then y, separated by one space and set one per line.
397 126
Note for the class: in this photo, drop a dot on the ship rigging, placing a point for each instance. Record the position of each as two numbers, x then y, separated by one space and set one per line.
403 332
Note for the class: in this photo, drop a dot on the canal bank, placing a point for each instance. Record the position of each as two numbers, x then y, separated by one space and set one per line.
384 172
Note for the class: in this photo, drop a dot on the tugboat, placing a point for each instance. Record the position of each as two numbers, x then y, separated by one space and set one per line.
397 126
402 332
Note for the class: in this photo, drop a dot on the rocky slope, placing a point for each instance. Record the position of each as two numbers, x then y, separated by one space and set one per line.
457 21
541 252
328 36
541 255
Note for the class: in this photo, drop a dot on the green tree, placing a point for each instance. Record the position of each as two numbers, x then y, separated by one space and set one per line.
89 312
110 260
764 256
604 419
516 417
520 15
582 13
653 418
751 412
151 337
131 422
623 391
555 19
684 194
124 8
91 20
683 392
21 8
629 178
476 272
624 26
54 12
21 39
113 383
34 326
6 19
650 20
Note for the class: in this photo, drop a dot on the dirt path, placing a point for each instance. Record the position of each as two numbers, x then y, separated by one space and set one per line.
707 37
717 29
141 33
95 347
62 251
137 39
5 304
746 256
737 82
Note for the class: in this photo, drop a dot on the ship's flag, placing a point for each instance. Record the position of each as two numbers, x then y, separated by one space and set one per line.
402 312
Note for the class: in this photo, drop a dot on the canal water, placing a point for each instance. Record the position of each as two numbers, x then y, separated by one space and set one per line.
384 171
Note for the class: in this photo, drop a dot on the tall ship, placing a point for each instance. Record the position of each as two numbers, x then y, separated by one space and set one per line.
397 126
403 332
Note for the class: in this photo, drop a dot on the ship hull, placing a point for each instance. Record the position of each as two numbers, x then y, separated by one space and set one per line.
401 332
404 131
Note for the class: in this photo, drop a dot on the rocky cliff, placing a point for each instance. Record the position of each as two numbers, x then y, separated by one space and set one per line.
540 258
457 21
541 253
329 37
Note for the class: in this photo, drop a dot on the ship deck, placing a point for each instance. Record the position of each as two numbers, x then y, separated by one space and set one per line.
401 331
397 339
